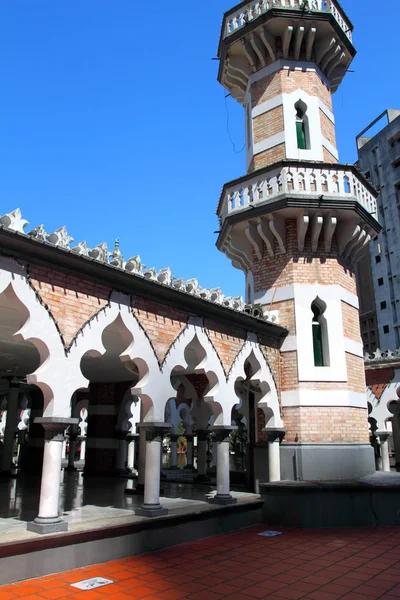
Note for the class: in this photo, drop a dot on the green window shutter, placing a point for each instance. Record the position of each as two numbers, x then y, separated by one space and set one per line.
301 135
318 349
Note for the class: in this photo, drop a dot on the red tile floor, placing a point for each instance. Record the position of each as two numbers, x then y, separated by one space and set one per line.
357 564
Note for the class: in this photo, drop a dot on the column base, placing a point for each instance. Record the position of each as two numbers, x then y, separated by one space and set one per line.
138 491
173 468
151 511
188 468
223 500
43 526
70 469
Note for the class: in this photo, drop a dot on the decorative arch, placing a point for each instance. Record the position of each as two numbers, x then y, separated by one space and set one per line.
261 377
151 383
40 330
194 351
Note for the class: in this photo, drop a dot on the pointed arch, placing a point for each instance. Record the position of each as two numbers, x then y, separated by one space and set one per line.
260 376
40 330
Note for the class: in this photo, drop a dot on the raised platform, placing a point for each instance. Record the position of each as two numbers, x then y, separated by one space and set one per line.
97 509
369 502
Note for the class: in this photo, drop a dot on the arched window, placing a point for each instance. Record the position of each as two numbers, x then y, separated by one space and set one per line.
302 128
320 334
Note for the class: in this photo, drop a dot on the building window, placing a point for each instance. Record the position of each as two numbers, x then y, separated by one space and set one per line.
380 281
383 305
320 334
302 126
378 258
386 329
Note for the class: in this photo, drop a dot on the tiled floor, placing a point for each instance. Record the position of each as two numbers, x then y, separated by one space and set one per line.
356 564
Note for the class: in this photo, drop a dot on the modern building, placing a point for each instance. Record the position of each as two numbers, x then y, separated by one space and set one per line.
379 270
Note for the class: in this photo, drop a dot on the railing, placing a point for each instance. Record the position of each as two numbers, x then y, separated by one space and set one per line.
312 182
254 9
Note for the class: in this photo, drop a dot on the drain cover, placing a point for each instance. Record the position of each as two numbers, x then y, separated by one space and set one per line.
270 533
91 584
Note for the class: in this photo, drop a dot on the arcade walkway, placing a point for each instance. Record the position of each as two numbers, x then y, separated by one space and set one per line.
91 502
353 564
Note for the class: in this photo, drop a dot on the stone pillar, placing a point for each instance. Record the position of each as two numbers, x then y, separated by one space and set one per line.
189 452
384 445
275 436
202 437
48 519
174 451
122 452
221 438
9 432
83 449
73 440
151 506
131 439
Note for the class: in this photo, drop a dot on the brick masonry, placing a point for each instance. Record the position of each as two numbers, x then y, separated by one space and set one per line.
379 379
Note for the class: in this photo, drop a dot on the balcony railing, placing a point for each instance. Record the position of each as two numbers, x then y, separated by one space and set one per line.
340 181
255 8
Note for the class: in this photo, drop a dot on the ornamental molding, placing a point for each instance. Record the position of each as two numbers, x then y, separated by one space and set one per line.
60 239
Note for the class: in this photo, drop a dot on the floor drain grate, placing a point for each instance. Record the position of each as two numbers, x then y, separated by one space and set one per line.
270 533
91 584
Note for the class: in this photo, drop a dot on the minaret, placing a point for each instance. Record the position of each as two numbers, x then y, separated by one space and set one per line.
297 223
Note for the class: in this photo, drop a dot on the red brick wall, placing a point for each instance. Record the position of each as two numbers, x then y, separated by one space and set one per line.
227 341
326 425
72 301
378 380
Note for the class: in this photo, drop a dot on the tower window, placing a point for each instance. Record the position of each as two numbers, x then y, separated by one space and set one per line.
386 329
320 334
380 281
302 128
378 258
383 305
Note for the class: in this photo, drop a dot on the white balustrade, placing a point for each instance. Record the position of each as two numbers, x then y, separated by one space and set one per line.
309 181
256 8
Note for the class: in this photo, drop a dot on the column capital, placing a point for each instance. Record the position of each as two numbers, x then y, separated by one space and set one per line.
121 435
222 432
274 433
54 427
154 430
382 435
132 437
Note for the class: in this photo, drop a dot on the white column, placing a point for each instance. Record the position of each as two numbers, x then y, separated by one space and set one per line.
48 519
189 452
83 449
275 436
274 460
131 438
202 436
142 459
221 439
151 506
384 445
174 451
9 432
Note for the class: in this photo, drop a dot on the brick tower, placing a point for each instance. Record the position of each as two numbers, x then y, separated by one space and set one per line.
298 221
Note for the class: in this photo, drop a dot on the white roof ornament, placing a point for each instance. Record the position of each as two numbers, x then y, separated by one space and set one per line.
165 276
216 296
81 249
192 286
39 233
179 284
14 221
134 265
151 274
117 260
60 238
100 253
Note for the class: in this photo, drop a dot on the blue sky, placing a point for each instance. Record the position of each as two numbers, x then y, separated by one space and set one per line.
113 124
